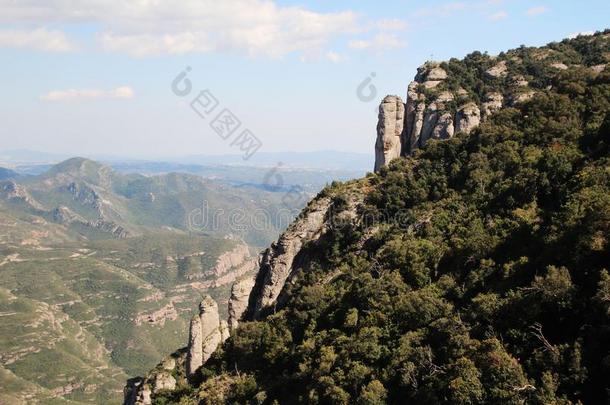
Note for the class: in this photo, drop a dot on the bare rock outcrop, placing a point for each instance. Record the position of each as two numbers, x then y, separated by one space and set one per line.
166 376
238 302
210 326
278 261
195 346
430 110
142 395
493 102
233 258
205 334
559 65
444 128
224 331
11 191
164 381
497 71
414 116
389 130
423 120
467 118
520 95
65 215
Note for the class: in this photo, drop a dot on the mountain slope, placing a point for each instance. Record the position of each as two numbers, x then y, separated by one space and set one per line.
95 200
100 272
472 270
7 174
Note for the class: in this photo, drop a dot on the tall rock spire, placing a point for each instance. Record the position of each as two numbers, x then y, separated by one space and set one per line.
205 334
389 131
434 109
195 346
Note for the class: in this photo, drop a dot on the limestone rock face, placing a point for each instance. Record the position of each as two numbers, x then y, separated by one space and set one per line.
195 346
278 261
11 191
238 303
437 73
65 215
389 130
233 258
164 381
493 102
429 111
414 117
444 127
520 96
224 331
497 71
559 65
430 120
204 335
210 326
518 81
468 117
144 396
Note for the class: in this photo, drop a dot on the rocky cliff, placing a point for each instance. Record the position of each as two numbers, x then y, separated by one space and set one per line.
278 261
448 98
395 286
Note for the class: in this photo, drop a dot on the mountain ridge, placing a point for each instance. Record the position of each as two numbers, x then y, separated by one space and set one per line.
471 268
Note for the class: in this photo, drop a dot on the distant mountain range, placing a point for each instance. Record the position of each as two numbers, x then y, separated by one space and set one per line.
100 271
327 160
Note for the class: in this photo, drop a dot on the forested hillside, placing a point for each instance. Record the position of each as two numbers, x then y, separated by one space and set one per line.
474 271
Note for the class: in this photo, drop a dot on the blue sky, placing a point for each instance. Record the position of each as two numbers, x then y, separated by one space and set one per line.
94 77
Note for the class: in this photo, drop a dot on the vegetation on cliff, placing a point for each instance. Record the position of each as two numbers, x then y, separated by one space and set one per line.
475 271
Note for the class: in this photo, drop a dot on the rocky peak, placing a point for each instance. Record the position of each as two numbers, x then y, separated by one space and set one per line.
278 262
436 108
11 191
238 302
389 130
205 334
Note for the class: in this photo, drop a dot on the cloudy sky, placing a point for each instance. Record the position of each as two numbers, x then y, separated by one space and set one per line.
95 77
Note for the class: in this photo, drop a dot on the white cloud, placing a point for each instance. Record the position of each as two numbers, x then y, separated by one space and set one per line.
380 42
578 34
392 24
120 93
140 28
40 39
334 57
155 44
534 11
500 15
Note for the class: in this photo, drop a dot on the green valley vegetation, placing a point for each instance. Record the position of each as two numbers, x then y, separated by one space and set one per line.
474 271
100 273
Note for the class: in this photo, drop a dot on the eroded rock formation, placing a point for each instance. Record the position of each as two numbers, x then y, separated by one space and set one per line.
468 117
436 108
195 346
205 334
277 261
389 130
238 303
